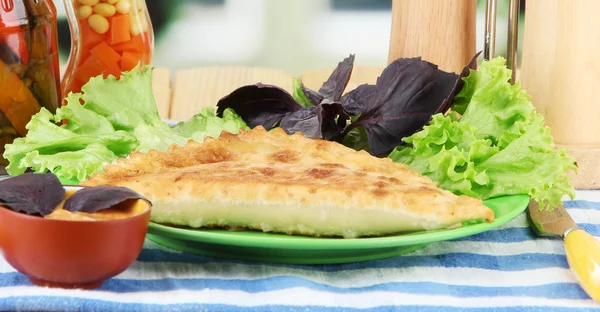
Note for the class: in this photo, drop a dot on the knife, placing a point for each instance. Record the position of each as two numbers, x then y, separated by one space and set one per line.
581 248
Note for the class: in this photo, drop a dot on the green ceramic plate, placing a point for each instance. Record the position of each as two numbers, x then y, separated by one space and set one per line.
276 248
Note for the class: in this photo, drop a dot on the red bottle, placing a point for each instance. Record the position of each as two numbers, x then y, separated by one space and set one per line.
29 68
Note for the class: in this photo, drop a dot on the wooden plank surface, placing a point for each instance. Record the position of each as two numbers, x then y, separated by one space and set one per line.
588 177
196 88
314 79
560 67
560 72
161 85
440 31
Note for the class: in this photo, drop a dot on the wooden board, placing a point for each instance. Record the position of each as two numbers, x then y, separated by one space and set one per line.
560 71
560 67
196 88
161 85
589 169
440 31
314 79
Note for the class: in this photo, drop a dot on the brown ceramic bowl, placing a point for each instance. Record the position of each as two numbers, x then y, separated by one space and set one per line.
71 254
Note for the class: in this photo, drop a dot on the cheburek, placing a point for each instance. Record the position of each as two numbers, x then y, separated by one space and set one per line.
291 184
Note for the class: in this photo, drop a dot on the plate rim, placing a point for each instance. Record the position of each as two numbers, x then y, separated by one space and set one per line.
308 243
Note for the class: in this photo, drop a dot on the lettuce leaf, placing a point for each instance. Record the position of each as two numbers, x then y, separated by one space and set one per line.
299 94
157 138
127 102
116 118
81 120
205 123
201 125
72 166
45 138
499 146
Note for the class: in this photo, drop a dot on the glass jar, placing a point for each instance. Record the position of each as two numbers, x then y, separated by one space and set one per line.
108 37
29 68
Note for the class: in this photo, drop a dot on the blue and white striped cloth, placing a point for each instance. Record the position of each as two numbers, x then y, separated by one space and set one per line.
508 269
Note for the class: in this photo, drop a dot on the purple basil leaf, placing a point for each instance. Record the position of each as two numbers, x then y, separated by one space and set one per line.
94 199
409 92
449 101
259 104
355 101
304 120
32 193
330 127
317 122
334 87
313 96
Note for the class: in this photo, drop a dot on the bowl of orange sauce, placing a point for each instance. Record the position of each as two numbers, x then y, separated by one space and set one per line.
74 249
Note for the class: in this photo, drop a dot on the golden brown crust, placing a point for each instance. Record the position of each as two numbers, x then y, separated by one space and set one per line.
273 168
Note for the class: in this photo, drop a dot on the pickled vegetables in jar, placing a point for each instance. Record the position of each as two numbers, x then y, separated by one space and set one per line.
108 37
29 68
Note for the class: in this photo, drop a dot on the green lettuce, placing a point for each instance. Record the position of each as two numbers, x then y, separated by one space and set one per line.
127 102
299 94
116 118
157 138
205 123
498 145
45 137
71 166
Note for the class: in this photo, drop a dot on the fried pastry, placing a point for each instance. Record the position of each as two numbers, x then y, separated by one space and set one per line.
291 184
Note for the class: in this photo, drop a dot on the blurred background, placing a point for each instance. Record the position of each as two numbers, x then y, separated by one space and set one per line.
291 35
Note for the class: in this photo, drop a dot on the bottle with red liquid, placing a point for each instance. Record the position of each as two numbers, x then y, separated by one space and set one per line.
29 68
108 37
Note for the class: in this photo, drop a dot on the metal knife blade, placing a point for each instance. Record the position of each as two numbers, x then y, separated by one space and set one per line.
550 223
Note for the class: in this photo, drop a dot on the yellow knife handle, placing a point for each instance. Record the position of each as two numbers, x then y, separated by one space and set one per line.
583 256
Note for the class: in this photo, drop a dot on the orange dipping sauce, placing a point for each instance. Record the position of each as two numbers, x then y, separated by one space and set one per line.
126 209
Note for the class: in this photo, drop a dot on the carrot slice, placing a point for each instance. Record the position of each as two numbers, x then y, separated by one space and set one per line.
112 69
92 38
95 66
137 43
85 54
119 29
105 53
130 60
16 101
92 67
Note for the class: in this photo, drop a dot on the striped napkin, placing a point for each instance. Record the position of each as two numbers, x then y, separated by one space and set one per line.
508 269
